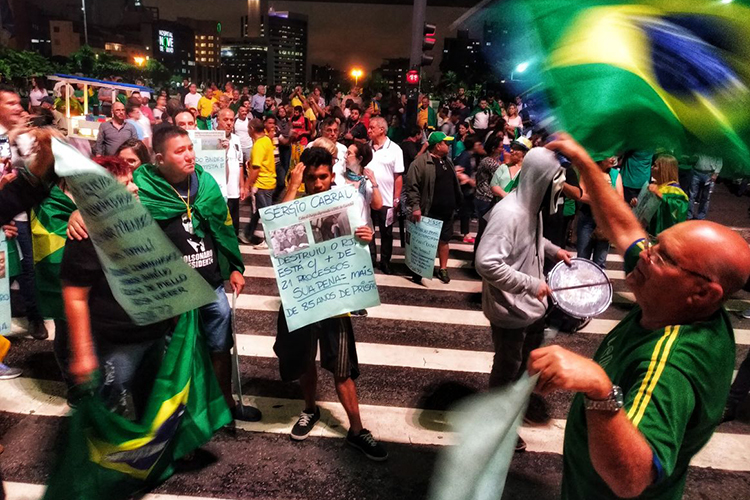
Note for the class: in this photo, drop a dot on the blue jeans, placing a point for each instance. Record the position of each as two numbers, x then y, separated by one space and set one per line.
263 199
216 319
129 372
586 245
701 187
26 278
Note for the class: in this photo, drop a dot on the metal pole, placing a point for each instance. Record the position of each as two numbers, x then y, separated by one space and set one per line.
417 26
85 24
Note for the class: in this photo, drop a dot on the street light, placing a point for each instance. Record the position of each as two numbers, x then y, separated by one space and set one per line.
356 73
522 67
139 60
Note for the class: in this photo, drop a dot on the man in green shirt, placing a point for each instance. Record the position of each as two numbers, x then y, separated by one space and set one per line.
656 388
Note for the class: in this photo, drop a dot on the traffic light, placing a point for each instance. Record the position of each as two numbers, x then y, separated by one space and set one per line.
428 42
412 77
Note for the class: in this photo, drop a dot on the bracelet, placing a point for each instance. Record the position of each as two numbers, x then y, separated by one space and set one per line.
374 186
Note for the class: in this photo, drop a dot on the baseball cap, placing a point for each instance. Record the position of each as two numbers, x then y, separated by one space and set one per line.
522 142
436 137
48 100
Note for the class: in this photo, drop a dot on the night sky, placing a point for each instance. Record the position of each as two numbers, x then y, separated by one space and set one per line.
340 34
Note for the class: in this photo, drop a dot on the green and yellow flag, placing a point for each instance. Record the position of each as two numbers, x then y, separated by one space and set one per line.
646 74
106 456
49 224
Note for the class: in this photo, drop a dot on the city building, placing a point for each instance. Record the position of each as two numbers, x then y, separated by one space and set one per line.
173 44
287 48
394 72
461 54
244 61
207 35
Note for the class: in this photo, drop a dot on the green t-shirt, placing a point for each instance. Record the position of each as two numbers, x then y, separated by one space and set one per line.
675 381
636 169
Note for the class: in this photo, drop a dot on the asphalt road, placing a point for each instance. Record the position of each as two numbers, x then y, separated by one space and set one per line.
413 371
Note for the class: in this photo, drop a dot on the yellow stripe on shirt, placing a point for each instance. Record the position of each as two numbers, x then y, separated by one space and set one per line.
651 368
655 380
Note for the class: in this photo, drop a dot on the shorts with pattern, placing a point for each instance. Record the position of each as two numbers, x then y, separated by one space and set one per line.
296 350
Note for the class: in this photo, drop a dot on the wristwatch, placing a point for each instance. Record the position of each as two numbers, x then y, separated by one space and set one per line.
612 403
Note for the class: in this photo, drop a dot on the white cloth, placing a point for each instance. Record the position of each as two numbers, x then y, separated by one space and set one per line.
145 125
234 166
242 131
191 100
36 95
482 119
387 162
366 199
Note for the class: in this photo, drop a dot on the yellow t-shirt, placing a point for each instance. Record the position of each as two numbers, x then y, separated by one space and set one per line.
310 115
205 106
296 102
262 155
422 117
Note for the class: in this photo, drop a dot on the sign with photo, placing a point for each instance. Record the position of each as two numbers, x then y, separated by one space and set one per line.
5 315
421 245
321 269
211 155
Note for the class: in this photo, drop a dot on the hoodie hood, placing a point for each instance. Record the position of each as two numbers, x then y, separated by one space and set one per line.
540 170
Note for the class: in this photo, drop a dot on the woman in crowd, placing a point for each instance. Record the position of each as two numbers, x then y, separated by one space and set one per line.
134 152
37 93
458 143
483 195
513 124
590 242
674 204
358 156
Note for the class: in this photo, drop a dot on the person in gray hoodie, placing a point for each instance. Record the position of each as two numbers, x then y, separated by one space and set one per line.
510 260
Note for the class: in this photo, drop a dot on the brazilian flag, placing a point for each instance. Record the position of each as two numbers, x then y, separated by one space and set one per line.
106 456
49 224
647 74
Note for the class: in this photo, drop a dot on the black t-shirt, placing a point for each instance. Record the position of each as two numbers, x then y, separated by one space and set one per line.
554 224
410 150
80 267
199 253
444 194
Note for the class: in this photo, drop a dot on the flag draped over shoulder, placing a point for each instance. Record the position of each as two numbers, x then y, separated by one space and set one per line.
209 210
653 73
106 456
49 224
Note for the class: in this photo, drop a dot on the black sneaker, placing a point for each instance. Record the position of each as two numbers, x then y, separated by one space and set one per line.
365 443
386 268
246 413
360 312
304 425
520 445
38 330
537 412
442 275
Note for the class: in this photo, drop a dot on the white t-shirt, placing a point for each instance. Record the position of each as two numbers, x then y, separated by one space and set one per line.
191 100
234 165
386 163
36 95
241 129
366 199
145 124
482 119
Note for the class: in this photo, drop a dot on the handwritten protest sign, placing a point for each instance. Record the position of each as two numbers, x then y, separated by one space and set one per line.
5 315
421 245
321 269
211 155
147 274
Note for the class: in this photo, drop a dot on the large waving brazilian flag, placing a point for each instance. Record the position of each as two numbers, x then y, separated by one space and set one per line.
654 73
49 225
106 456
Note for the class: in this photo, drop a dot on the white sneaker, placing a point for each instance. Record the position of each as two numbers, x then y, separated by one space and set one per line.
746 314
7 373
261 246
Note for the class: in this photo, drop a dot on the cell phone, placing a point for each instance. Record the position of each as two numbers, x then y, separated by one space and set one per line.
5 151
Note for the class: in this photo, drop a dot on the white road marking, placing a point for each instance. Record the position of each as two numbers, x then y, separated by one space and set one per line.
388 423
28 491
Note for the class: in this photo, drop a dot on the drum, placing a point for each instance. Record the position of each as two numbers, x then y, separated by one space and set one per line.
570 292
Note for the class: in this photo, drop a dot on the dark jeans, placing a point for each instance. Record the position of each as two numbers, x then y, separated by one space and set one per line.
586 246
129 372
741 385
386 236
263 198
701 187
481 208
61 348
280 176
512 349
685 177
465 212
26 278
234 211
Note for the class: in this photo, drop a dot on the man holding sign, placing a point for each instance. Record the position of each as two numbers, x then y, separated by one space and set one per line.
432 190
338 354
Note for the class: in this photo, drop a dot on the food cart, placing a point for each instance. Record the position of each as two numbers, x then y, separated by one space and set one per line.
86 126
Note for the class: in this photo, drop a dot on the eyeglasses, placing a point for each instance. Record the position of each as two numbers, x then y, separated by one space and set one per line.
660 258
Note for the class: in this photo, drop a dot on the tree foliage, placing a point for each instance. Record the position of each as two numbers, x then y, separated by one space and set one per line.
17 65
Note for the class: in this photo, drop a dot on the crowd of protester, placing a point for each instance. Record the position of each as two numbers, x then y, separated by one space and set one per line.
453 157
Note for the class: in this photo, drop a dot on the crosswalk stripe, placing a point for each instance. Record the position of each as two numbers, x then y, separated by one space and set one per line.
28 491
425 314
387 423
452 263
